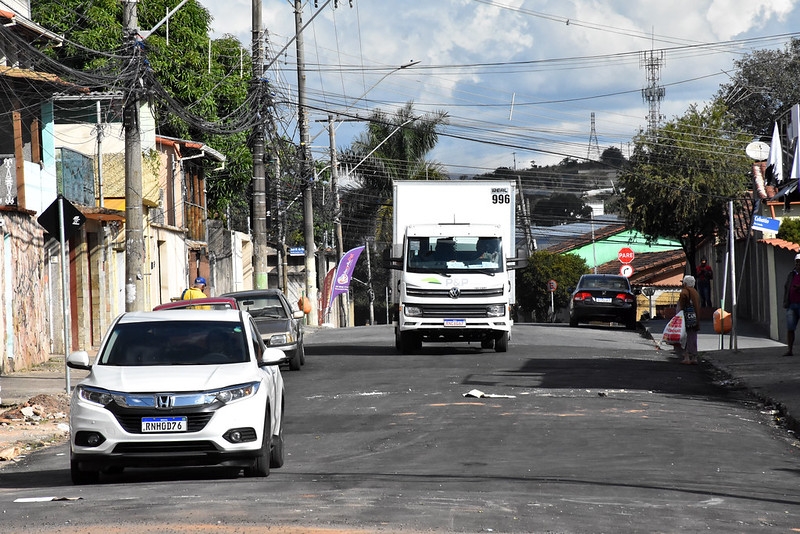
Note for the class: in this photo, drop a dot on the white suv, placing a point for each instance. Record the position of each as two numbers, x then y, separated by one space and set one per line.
177 388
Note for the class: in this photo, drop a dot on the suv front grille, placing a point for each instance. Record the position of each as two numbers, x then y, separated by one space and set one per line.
132 422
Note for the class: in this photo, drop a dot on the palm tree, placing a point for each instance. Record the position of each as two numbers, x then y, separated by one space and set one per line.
393 147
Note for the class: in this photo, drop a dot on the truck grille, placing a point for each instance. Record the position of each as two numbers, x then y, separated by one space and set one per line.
445 293
463 311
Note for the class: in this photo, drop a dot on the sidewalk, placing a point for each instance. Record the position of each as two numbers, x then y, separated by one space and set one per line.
754 362
48 379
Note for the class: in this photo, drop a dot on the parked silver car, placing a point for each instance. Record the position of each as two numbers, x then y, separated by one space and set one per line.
280 325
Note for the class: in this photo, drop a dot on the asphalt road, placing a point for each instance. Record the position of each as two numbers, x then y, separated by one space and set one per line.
591 430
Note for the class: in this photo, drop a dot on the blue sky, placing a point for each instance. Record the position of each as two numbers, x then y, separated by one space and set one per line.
519 79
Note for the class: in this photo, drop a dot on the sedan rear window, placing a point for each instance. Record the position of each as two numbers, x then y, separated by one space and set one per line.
175 343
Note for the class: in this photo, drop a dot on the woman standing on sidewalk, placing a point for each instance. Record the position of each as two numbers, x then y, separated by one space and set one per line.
689 302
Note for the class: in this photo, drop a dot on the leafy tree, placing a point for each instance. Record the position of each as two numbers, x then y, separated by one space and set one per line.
190 97
392 148
763 87
613 157
682 177
790 230
560 208
532 293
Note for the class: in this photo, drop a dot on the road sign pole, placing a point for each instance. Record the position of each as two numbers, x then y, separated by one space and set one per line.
64 287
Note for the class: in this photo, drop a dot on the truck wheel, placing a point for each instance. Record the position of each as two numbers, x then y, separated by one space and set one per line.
501 343
408 342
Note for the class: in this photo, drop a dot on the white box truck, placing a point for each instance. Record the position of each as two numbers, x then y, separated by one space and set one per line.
453 256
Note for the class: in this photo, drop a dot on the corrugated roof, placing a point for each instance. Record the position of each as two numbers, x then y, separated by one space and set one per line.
781 243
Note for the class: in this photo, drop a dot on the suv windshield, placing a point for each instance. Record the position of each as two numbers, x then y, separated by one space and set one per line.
454 254
175 343
267 306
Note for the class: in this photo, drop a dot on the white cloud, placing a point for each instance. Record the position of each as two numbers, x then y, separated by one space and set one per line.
471 64
729 18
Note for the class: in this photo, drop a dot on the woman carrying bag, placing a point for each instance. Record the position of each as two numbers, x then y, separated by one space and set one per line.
689 303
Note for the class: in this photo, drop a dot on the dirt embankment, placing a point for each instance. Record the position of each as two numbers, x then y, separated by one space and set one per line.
37 423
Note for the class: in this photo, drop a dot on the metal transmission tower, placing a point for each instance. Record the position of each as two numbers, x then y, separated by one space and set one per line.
653 94
593 153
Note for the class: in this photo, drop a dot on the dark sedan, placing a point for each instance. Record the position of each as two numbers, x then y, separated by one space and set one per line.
280 326
603 298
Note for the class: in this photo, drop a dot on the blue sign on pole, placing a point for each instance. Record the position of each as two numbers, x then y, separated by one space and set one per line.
765 224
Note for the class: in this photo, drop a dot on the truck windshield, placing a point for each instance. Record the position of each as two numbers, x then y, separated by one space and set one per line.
454 254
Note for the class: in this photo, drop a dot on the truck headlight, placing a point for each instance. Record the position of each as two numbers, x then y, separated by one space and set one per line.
412 311
496 310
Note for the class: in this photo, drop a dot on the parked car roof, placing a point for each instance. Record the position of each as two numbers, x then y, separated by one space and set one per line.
210 303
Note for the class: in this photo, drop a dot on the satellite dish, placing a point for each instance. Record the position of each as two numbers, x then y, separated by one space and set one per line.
757 150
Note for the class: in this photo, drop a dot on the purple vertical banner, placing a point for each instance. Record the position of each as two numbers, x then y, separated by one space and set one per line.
344 272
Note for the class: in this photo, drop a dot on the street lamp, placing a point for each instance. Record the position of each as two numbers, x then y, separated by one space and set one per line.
374 85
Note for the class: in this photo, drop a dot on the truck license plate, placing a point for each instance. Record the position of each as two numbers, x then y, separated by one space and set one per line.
163 424
455 322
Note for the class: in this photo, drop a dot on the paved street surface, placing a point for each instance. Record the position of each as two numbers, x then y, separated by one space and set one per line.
590 429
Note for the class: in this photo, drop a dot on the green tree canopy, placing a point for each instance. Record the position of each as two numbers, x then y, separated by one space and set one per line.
560 208
393 147
790 230
682 177
763 87
191 97
532 291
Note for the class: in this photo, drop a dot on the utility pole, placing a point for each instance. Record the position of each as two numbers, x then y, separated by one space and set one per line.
370 292
337 213
134 224
260 277
305 169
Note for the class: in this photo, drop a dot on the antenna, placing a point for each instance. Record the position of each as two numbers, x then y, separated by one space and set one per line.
593 153
653 94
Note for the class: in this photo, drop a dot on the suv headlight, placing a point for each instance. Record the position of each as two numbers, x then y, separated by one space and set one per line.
97 395
233 394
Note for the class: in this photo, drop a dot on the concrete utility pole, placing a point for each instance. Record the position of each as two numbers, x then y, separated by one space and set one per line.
337 213
260 277
305 169
135 297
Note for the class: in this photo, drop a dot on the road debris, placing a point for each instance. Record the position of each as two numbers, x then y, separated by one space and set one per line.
481 395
